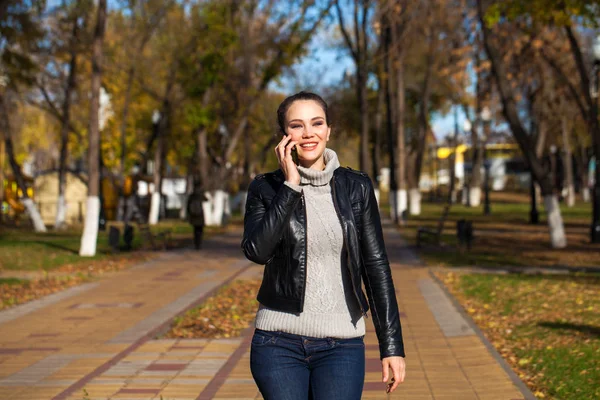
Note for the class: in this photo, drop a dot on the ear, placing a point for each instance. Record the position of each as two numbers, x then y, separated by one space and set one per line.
328 133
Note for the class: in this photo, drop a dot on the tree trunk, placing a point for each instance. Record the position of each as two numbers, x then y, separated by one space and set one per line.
591 118
423 127
568 165
32 210
1 176
361 82
540 144
159 154
61 207
130 76
378 134
90 230
509 109
400 137
202 158
390 119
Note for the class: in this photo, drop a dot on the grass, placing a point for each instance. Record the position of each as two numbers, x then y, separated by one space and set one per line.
505 238
22 249
546 327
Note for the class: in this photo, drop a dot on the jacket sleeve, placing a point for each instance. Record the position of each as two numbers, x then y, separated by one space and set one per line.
264 223
377 276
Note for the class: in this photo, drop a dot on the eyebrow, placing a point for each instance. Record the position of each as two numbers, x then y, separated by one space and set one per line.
294 120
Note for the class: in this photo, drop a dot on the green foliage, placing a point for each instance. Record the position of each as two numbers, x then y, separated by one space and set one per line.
20 33
550 12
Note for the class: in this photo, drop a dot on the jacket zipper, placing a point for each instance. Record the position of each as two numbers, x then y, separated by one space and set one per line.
306 249
346 246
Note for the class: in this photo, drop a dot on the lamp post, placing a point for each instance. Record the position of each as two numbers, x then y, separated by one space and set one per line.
486 118
595 228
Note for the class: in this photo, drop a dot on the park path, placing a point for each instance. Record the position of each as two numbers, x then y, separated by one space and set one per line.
98 343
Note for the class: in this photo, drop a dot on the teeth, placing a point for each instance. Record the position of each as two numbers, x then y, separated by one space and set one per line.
308 145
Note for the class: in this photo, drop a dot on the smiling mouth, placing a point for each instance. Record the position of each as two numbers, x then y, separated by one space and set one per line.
308 146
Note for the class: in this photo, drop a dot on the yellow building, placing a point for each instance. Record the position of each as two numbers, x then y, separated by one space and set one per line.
46 190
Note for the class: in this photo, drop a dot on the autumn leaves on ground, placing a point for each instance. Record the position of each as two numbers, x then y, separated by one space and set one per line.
546 326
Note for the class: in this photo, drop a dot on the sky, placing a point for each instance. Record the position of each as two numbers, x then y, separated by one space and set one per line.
327 64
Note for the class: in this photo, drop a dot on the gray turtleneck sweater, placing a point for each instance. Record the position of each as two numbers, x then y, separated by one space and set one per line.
330 307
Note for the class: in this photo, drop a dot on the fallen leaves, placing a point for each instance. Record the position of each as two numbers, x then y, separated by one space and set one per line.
12 294
19 291
226 314
546 327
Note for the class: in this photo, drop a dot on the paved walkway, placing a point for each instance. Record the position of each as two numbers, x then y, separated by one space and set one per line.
96 341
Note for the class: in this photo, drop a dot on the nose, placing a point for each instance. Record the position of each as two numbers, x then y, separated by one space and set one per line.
307 132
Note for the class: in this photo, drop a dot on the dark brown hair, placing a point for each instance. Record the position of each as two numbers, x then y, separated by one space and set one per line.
287 103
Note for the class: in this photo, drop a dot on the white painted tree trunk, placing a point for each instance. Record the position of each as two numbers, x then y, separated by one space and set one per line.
34 214
61 213
243 197
475 196
465 193
401 203
216 208
207 207
538 193
154 208
415 201
570 196
90 228
121 208
558 238
183 212
586 194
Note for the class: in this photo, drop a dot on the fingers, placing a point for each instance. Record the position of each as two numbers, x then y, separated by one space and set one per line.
398 368
284 150
397 379
280 148
385 370
288 149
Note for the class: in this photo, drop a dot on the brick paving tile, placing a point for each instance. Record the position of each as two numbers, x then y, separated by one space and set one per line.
444 359
72 340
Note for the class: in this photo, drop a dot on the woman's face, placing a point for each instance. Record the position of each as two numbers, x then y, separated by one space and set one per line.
305 122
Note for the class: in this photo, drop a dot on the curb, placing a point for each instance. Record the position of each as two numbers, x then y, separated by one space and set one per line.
527 394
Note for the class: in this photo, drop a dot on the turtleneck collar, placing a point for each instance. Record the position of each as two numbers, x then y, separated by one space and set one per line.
319 178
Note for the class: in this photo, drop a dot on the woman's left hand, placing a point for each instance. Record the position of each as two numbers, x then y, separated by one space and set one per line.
398 367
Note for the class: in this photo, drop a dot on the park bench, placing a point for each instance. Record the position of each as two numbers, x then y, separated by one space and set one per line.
153 239
435 235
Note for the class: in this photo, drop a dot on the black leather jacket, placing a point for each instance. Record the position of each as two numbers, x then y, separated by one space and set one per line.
275 235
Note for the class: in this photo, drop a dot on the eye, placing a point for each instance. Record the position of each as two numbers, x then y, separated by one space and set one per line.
319 123
295 126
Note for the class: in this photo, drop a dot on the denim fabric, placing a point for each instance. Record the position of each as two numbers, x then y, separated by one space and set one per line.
293 367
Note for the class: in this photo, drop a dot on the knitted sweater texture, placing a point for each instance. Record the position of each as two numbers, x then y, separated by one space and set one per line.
330 307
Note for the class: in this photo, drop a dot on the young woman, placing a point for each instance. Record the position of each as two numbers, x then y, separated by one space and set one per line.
316 228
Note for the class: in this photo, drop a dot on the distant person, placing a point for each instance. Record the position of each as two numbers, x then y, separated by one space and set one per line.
195 214
316 228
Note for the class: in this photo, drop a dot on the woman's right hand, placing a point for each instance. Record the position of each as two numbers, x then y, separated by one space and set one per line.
286 163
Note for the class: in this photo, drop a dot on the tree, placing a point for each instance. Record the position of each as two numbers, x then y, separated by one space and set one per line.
523 138
63 49
358 45
20 34
90 230
567 15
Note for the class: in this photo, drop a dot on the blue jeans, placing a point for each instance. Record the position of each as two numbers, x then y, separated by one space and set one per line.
293 367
